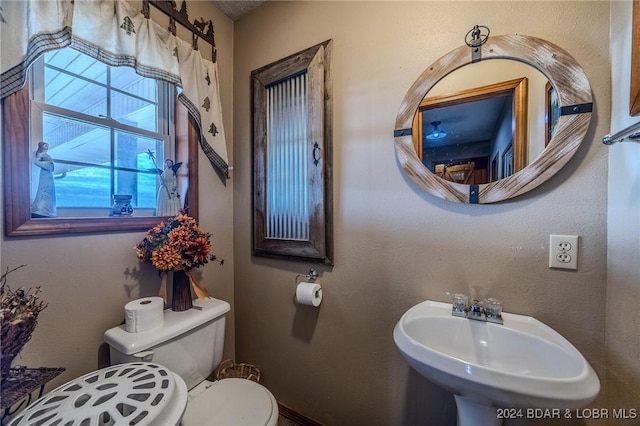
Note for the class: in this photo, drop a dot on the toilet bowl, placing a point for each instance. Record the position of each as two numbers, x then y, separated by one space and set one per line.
230 402
158 377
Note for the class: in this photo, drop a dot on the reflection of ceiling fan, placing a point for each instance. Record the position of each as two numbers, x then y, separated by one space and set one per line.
436 133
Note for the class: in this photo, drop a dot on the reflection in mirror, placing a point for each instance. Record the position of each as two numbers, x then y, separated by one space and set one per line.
488 142
483 129
551 112
484 109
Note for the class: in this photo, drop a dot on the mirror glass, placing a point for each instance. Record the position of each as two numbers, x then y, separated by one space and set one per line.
483 122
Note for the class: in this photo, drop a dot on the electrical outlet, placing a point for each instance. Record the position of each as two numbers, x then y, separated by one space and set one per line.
563 252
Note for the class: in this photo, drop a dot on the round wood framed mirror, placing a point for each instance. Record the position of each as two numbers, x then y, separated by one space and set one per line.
572 101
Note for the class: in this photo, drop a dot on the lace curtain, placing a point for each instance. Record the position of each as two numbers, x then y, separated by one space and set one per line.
113 32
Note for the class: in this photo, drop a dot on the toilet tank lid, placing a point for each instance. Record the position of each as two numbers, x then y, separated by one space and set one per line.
174 324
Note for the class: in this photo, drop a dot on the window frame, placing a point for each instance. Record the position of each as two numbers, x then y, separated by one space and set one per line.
316 61
16 124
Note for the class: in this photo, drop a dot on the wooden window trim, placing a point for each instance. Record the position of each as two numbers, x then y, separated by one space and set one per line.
17 193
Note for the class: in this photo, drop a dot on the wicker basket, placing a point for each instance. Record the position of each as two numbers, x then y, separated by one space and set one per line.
230 369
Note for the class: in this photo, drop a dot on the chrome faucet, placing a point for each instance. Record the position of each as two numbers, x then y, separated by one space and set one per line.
488 311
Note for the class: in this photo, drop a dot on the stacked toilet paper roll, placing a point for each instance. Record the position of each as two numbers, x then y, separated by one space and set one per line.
144 314
309 294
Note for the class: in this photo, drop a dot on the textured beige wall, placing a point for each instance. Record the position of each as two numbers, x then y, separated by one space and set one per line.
394 245
623 217
87 279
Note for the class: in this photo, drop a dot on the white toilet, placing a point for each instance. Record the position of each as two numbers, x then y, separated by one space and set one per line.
159 377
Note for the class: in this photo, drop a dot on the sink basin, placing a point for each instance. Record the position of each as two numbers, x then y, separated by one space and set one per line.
520 364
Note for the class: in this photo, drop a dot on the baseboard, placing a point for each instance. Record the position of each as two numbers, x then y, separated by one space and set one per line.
296 417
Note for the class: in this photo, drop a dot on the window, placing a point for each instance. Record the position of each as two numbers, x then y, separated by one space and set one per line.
100 128
292 191
108 132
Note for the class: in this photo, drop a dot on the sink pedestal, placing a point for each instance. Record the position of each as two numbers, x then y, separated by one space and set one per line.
473 413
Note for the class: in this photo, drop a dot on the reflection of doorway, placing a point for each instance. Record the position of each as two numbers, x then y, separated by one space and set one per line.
493 175
455 111
551 112
507 162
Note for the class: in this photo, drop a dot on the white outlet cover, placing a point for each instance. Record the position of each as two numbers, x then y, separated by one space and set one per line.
563 252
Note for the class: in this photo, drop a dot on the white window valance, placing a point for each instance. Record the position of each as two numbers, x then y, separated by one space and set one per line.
113 32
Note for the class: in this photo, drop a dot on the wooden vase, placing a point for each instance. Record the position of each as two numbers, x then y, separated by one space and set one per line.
181 300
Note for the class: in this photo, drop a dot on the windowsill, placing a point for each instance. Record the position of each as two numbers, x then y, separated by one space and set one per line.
101 213
57 225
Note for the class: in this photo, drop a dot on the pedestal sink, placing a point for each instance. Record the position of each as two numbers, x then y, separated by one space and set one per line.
520 365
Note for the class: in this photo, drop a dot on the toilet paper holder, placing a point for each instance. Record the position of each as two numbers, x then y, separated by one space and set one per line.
312 275
308 291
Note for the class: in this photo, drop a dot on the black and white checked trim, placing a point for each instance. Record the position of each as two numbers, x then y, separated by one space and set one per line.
216 161
14 78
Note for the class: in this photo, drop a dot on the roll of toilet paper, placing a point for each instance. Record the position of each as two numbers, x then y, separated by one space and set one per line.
144 314
309 294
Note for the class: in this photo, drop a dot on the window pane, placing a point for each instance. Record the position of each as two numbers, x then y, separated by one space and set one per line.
135 169
134 102
75 81
84 187
76 63
66 91
147 184
134 111
81 156
76 141
126 80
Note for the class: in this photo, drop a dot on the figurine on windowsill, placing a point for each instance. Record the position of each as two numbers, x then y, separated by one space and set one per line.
168 195
44 203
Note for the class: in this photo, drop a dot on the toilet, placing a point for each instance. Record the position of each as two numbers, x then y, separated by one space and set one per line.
160 377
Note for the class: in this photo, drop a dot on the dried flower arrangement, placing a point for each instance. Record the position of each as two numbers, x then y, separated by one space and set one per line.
177 245
19 310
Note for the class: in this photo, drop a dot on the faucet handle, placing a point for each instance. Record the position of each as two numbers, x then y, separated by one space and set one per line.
493 310
460 304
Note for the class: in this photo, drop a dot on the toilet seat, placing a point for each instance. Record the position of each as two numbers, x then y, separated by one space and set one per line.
137 393
231 402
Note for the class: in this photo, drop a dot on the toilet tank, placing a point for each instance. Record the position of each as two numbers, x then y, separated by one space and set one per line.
189 343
